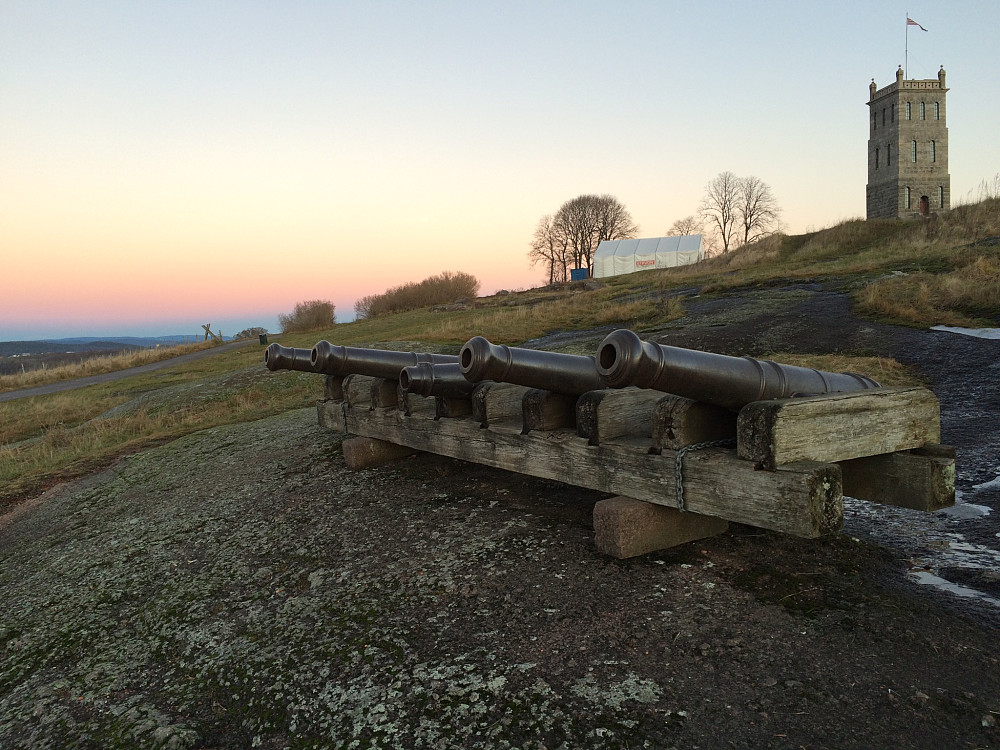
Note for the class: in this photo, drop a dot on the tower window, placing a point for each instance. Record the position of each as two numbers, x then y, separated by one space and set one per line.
888 155
876 157
922 112
906 198
892 113
937 110
883 116
874 121
940 196
907 110
933 151
913 150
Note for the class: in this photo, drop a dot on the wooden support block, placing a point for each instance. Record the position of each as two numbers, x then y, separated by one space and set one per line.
547 410
679 421
451 407
803 499
837 426
358 391
417 406
385 393
367 452
498 405
921 479
613 413
625 527
333 387
330 415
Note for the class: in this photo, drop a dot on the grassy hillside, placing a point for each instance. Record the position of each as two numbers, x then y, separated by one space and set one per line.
912 272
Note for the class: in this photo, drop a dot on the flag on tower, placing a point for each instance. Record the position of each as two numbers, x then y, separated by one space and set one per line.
911 22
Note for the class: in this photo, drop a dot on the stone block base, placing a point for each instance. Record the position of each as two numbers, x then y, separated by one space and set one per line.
625 527
366 453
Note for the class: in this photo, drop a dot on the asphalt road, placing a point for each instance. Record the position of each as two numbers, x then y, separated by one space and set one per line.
68 385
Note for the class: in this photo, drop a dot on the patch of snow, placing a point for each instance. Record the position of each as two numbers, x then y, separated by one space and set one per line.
929 579
979 333
965 511
993 484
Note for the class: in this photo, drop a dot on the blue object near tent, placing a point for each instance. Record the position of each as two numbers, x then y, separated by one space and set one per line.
578 274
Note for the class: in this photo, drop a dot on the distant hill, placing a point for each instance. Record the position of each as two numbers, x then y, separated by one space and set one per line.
89 344
142 341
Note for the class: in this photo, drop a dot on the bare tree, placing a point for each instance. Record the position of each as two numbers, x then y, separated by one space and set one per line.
687 225
549 247
739 209
587 220
720 205
758 208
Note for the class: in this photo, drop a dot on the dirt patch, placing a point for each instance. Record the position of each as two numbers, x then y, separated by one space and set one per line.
240 587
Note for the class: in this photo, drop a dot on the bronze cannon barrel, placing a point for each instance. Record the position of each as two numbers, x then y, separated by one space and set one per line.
624 359
278 357
429 379
551 371
378 363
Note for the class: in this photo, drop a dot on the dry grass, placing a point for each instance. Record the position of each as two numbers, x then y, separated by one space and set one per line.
885 370
97 366
967 296
51 438
578 310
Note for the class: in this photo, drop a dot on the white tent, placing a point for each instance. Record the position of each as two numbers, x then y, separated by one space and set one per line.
615 257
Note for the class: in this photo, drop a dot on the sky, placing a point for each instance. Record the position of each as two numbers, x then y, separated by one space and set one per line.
166 164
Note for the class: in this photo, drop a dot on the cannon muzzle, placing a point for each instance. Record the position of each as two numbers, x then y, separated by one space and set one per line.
427 379
551 371
624 359
278 357
377 363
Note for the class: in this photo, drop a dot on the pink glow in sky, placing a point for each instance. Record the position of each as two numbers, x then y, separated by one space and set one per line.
164 164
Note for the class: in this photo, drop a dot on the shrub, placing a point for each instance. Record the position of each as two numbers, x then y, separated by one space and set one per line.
249 333
308 316
436 290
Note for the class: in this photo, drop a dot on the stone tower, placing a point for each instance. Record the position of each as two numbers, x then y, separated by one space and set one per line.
908 148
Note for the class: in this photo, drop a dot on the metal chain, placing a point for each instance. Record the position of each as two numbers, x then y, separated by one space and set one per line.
679 464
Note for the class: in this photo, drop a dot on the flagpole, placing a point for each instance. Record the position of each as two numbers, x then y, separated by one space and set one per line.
906 52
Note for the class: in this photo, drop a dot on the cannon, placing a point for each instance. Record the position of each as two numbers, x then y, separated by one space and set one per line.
551 371
278 357
430 379
623 359
347 360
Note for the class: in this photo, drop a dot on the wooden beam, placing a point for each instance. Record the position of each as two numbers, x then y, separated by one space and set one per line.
330 415
625 527
802 499
333 387
547 410
921 479
358 391
385 393
498 404
837 426
679 421
614 413
452 407
414 405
